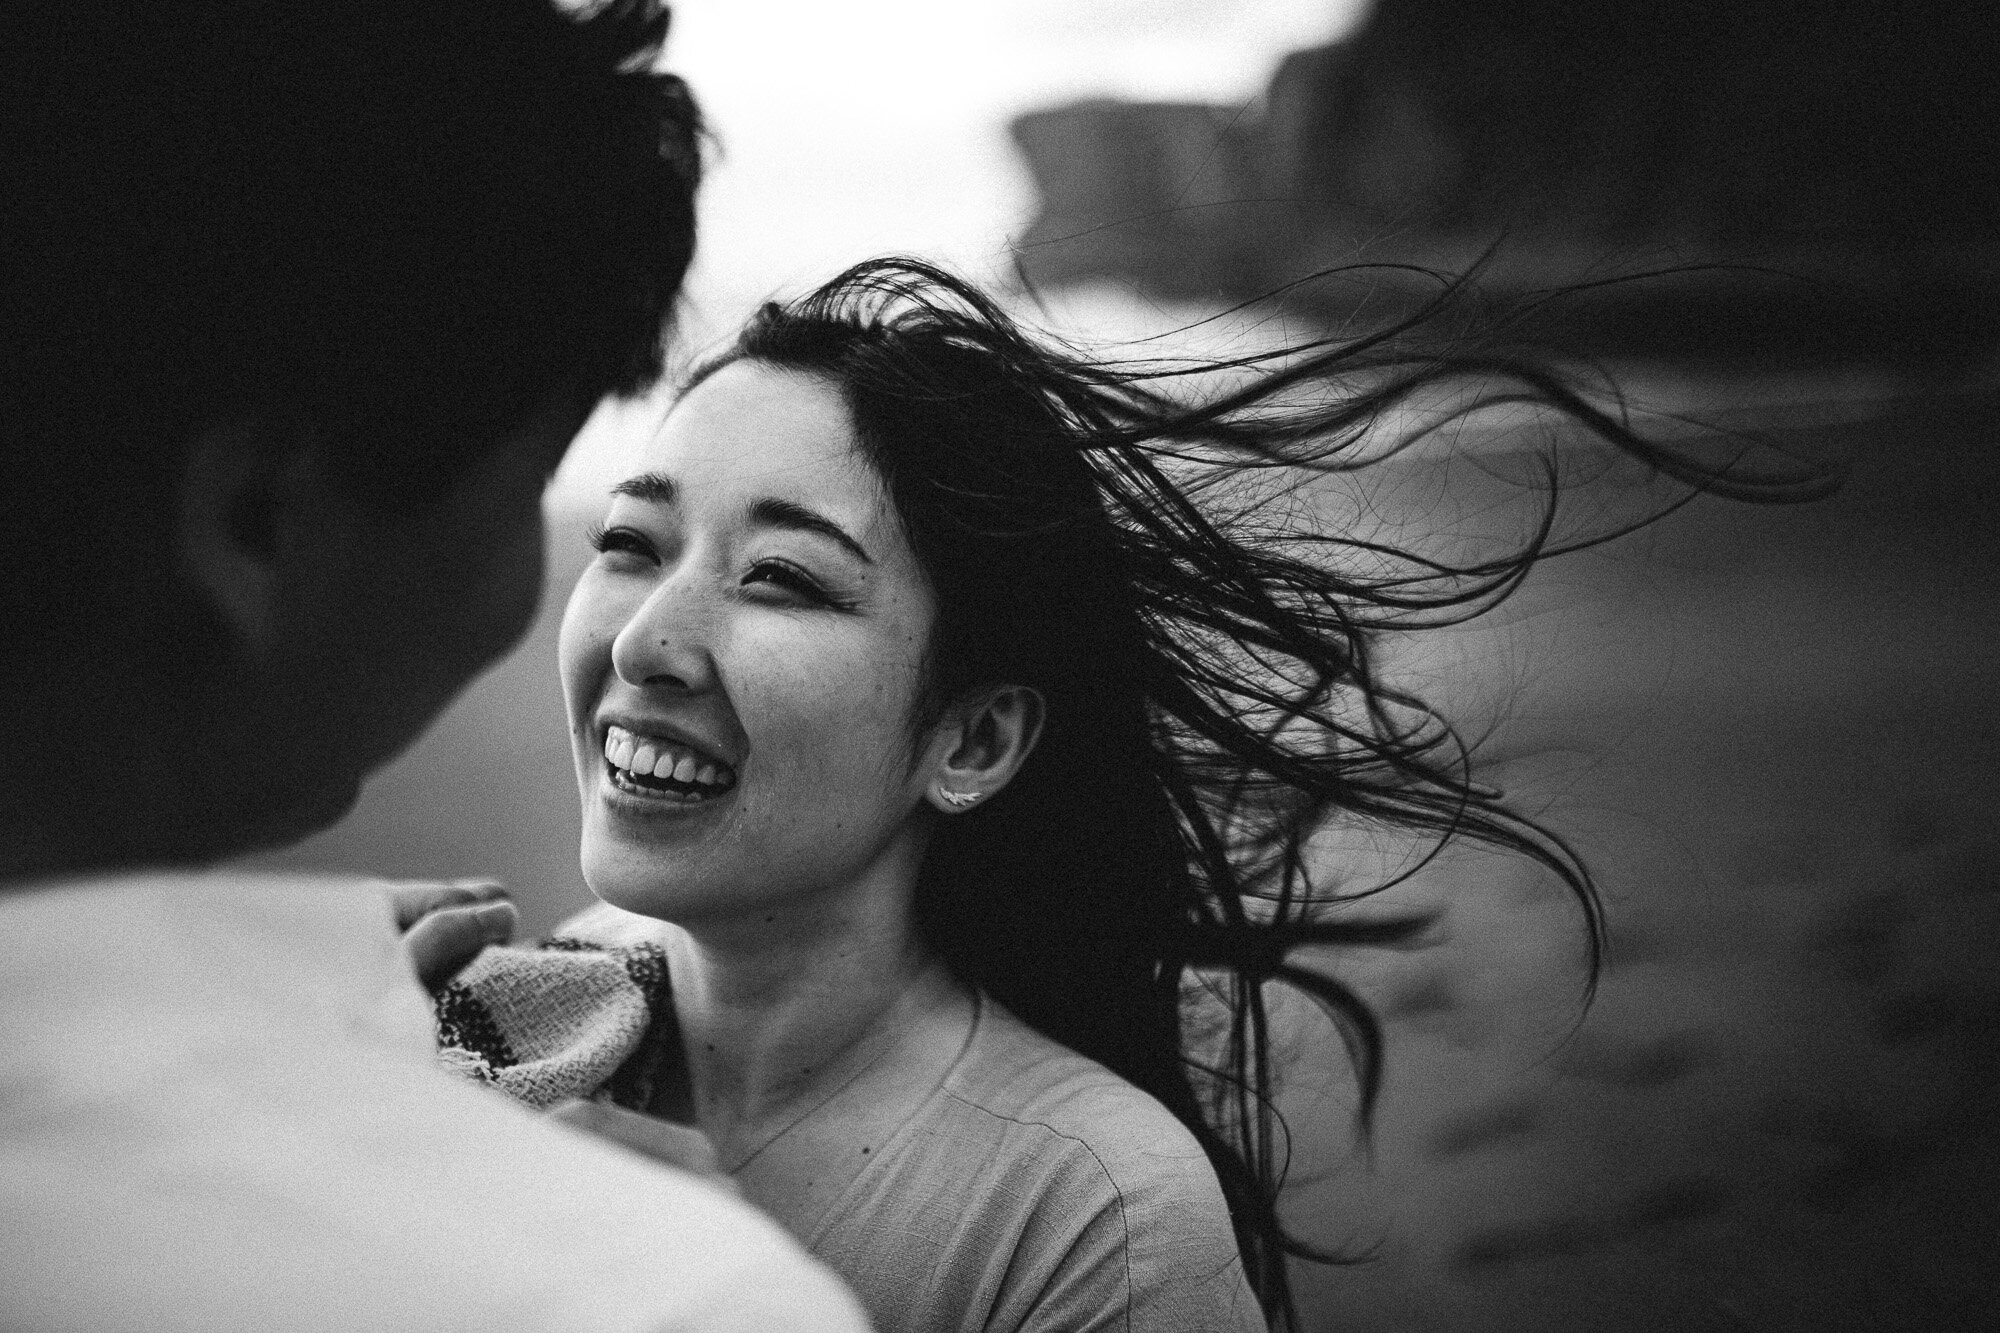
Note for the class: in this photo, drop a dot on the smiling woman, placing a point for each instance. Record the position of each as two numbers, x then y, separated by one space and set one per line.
947 770
741 671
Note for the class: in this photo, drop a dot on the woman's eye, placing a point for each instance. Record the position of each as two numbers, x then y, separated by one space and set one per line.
789 578
621 542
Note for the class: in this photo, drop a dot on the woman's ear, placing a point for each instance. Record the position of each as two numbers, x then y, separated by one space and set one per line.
982 745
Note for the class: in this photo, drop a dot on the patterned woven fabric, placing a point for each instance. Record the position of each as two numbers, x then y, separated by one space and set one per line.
571 1017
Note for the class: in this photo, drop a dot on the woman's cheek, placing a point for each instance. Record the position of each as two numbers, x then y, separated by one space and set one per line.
821 711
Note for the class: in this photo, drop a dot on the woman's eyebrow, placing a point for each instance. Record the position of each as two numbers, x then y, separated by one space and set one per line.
772 512
651 487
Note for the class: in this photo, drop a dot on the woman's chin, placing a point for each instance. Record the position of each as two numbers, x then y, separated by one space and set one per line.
643 881
693 893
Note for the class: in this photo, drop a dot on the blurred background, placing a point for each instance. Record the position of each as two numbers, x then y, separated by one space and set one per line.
1771 731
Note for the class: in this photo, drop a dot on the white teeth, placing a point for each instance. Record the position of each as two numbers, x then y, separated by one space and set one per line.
646 757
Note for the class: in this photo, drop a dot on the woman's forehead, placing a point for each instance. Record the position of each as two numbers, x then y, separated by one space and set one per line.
752 426
752 432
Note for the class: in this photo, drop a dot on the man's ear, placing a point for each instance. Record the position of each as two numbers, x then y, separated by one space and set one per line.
234 489
981 745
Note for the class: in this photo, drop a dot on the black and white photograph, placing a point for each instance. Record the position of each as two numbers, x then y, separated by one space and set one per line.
999 666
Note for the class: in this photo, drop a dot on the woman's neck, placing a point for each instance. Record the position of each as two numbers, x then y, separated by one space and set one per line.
774 1018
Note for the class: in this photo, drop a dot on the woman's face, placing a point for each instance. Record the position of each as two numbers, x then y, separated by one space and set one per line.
742 660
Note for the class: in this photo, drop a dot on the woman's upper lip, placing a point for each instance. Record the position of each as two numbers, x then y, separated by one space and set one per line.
666 730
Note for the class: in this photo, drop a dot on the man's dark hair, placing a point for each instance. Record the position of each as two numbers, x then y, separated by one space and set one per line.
406 223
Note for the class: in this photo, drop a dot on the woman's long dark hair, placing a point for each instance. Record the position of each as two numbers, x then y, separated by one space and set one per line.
1209 675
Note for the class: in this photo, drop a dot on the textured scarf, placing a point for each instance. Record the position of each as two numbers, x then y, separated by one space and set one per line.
586 1013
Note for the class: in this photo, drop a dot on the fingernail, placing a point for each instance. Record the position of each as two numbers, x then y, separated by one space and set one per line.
495 918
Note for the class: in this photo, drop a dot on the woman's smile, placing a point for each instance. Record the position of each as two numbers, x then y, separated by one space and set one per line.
662 770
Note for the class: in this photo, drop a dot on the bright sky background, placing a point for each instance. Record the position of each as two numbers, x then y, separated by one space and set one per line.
867 126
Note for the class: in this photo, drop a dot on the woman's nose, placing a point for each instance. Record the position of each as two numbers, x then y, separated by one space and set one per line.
666 644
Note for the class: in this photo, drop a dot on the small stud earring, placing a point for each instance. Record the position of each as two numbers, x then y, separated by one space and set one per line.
959 799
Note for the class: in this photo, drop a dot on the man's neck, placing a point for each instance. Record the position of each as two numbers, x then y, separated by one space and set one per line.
44 841
127 801
50 835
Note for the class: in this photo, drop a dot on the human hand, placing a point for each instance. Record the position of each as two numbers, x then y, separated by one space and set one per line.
445 923
677 1145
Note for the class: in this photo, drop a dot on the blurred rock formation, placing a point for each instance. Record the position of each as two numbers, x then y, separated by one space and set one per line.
1774 734
1846 143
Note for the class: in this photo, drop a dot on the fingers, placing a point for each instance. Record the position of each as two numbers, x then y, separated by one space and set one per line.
663 1141
414 898
442 943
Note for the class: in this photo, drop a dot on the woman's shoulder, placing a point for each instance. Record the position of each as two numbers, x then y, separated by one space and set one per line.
1073 1107
1038 1191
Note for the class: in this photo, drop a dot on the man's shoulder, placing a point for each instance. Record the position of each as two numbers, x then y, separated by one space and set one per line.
188 1145
383 1197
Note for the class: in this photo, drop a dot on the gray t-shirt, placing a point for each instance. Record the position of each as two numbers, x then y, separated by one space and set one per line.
1034 1191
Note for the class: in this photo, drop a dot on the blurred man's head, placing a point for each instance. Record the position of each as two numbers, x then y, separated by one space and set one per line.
299 306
